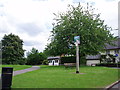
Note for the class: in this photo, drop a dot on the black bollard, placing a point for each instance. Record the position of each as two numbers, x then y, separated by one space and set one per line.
7 73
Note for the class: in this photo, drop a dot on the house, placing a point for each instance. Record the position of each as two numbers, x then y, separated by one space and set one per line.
54 61
113 49
92 59
109 50
95 59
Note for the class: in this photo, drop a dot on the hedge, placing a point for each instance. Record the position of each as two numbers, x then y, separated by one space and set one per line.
72 59
68 60
108 64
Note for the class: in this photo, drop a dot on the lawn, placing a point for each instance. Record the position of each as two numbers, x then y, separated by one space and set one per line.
61 77
17 67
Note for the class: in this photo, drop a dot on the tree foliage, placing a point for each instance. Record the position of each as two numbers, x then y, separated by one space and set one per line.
12 49
34 57
78 21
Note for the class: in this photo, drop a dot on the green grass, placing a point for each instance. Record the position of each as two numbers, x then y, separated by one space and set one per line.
60 77
17 67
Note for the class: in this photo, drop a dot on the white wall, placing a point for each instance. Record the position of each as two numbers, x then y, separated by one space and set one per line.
55 63
103 53
112 52
89 62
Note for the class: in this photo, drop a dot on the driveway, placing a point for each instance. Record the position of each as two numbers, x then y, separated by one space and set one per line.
114 86
26 70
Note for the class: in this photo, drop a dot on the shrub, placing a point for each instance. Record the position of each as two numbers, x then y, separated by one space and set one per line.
68 60
34 57
72 59
109 64
23 61
45 62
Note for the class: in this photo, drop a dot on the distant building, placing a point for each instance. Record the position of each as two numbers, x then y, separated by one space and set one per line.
109 50
113 49
54 61
92 59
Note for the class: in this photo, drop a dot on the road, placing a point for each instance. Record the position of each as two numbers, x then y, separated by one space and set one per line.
115 87
26 70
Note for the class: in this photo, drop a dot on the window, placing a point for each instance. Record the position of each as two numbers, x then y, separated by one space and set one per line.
56 61
50 61
116 51
107 52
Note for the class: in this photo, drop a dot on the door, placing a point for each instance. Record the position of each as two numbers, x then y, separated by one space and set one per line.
53 62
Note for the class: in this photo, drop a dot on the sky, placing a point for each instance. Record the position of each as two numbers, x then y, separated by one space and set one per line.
32 20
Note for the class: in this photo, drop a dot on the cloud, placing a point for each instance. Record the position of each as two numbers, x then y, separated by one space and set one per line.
31 43
3 28
109 12
30 28
110 0
32 20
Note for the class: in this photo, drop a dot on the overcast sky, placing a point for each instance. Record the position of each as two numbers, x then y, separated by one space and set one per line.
32 20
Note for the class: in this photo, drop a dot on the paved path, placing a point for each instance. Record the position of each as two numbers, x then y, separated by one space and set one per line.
116 87
26 70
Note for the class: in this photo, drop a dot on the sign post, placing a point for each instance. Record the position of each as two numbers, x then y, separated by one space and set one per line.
77 42
117 59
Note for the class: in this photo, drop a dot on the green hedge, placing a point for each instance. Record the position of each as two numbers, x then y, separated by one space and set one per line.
68 60
72 59
108 64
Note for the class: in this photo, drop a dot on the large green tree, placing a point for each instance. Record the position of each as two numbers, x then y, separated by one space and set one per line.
12 49
78 21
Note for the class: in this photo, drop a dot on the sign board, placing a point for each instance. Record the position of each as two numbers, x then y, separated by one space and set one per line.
77 39
116 55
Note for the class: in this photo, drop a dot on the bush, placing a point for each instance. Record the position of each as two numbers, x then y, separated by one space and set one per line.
108 64
45 62
68 60
72 59
83 61
34 57
23 61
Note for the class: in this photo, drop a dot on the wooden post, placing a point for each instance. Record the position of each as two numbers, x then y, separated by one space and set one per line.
77 42
77 58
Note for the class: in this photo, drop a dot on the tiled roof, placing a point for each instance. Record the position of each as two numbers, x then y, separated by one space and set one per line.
50 58
93 57
115 46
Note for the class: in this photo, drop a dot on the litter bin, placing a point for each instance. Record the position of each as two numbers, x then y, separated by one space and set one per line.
7 73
